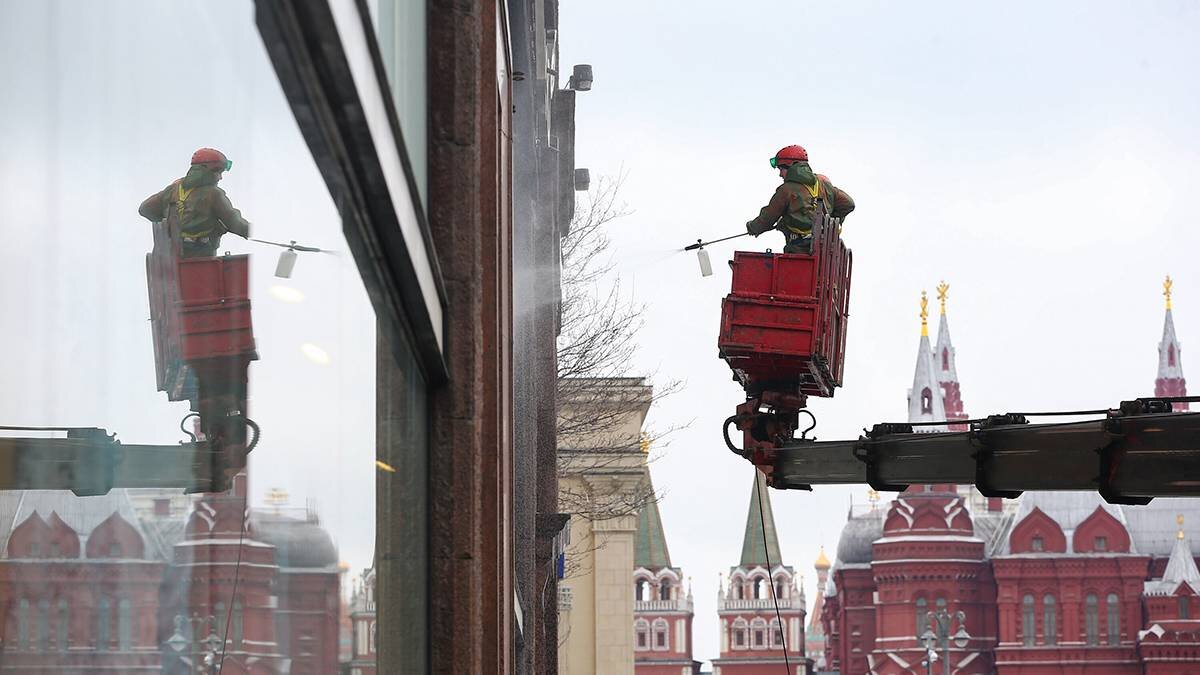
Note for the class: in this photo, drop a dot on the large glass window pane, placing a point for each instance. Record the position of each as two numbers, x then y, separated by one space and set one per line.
161 128
401 29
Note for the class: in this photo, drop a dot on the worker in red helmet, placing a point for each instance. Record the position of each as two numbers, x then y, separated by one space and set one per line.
803 197
195 210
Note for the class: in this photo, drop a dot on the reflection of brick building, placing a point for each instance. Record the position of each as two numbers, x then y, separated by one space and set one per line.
1052 582
95 583
752 638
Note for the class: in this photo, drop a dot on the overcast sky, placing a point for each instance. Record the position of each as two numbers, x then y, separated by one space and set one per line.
1039 157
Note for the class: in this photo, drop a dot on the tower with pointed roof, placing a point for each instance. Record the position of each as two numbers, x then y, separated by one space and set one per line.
1170 380
1172 611
947 372
925 400
814 636
753 637
662 608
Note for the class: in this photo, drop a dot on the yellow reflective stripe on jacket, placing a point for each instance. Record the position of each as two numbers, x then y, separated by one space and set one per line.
180 199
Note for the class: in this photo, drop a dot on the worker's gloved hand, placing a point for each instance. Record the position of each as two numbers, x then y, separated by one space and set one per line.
750 228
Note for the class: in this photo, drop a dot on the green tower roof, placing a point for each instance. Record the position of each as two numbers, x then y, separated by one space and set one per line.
650 544
753 549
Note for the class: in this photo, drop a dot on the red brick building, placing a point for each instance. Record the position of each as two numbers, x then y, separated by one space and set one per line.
662 610
753 640
1053 582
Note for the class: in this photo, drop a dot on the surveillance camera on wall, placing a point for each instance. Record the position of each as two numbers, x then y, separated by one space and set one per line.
581 77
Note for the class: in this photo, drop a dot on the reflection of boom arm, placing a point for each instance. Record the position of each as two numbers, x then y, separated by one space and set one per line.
91 462
1139 451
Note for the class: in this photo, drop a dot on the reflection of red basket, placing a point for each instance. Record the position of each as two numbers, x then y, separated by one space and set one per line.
200 317
783 326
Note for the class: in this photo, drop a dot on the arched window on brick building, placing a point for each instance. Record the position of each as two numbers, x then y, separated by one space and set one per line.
926 401
1049 620
641 634
739 634
641 590
760 589
664 589
758 629
1092 619
661 635
23 624
1113 610
1185 609
922 617
1028 628
776 634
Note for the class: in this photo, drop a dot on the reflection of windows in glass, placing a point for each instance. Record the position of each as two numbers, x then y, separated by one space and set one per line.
103 624
922 616
63 629
1037 544
43 626
1100 544
926 401
236 628
1049 620
23 624
1092 615
1028 628
221 616
124 625
1113 610
1185 608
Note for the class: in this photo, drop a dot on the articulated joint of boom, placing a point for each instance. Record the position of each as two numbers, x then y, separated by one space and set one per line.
768 421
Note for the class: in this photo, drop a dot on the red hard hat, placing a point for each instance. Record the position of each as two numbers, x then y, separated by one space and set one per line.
792 153
213 159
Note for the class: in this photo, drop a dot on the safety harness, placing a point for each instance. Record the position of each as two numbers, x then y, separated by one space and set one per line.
180 199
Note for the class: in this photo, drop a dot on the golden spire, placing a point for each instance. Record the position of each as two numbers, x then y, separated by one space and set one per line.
873 497
1179 520
924 315
1167 290
644 443
822 562
943 289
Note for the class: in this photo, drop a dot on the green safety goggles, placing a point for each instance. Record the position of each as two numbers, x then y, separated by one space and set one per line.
228 165
774 162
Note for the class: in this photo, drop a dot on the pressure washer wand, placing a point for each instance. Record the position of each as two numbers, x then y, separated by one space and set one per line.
702 244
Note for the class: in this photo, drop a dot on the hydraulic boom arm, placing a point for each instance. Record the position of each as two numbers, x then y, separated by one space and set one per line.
1139 451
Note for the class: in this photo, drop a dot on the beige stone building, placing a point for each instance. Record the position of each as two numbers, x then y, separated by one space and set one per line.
603 482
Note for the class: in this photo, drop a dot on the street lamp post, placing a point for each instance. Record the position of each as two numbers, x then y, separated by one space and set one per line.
937 636
201 653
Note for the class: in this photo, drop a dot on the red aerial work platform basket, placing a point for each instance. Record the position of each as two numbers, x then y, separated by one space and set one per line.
783 325
200 318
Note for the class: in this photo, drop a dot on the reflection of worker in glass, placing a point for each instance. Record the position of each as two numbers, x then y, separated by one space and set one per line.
803 197
196 211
